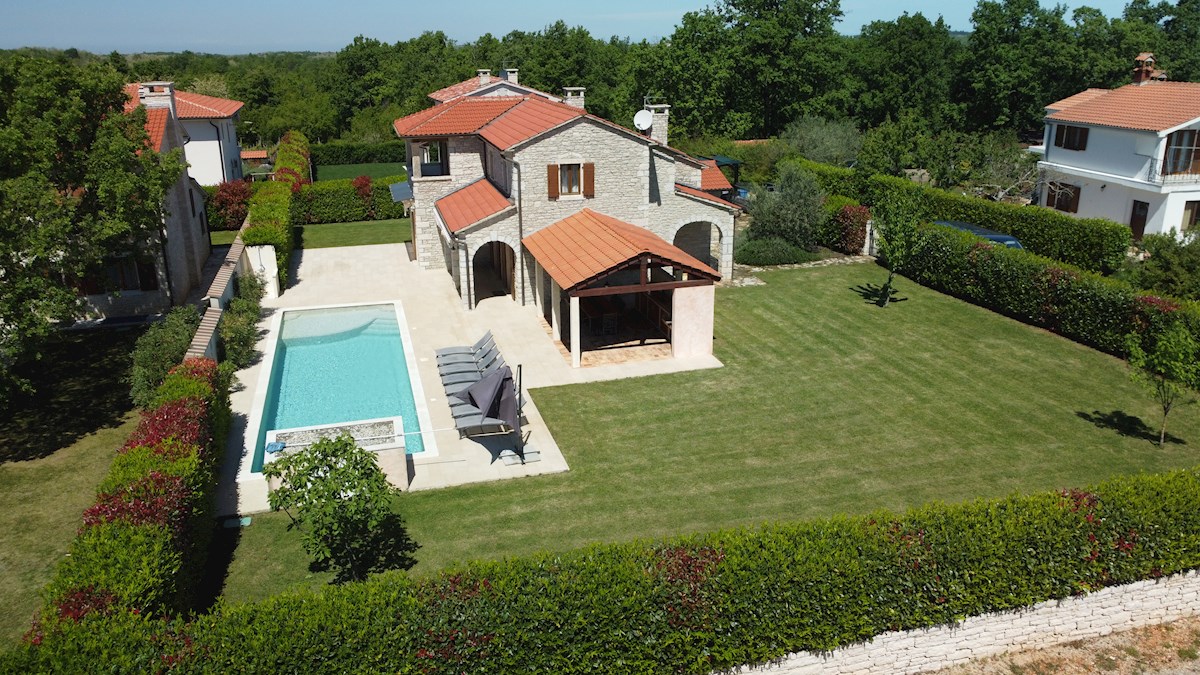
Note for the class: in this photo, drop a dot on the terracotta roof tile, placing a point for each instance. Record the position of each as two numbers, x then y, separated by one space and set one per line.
532 117
254 154
587 244
1085 95
199 106
712 178
156 126
471 85
457 118
469 205
700 194
1156 106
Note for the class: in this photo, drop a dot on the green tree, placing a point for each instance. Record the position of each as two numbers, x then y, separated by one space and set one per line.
908 65
1169 369
896 222
894 146
792 212
336 494
78 183
834 142
1172 267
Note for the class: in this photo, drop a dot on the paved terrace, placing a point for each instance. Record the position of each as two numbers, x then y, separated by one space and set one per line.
383 273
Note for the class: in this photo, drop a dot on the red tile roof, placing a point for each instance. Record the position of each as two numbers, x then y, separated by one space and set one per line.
254 154
712 178
503 121
532 117
1085 95
156 126
1157 106
700 194
198 106
470 85
469 205
588 244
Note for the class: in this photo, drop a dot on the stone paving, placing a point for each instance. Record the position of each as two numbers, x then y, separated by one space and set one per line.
744 274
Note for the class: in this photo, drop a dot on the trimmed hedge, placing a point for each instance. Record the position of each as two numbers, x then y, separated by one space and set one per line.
1074 303
239 323
292 158
342 152
770 251
688 605
158 349
144 541
270 224
343 201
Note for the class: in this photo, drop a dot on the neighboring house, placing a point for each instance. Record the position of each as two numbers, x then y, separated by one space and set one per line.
577 216
153 280
209 135
485 84
1130 154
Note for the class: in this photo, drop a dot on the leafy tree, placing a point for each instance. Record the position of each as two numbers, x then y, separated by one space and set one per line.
793 212
896 222
337 495
210 85
77 183
834 142
908 65
1169 369
894 146
1172 267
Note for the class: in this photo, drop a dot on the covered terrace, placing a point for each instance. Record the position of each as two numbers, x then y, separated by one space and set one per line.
602 283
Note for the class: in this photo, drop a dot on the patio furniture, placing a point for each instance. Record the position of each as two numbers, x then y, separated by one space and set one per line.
458 363
492 406
456 383
469 350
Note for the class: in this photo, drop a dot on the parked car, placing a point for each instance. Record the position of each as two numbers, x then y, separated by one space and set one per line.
991 235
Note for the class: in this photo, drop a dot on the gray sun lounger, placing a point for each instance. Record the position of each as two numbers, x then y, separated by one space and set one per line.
478 424
458 363
472 366
456 383
471 350
466 357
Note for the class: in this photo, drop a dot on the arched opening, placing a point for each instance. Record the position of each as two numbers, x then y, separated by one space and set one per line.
493 270
702 241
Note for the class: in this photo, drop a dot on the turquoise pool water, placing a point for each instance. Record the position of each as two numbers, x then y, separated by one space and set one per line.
339 365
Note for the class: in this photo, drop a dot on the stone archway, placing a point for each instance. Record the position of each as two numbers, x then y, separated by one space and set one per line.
493 271
702 240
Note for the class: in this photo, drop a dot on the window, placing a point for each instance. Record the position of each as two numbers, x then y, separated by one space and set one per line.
1183 153
568 179
435 160
1191 217
1070 138
125 273
1063 196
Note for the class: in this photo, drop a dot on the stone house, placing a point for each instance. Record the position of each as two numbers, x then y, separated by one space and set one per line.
598 226
1130 154
164 272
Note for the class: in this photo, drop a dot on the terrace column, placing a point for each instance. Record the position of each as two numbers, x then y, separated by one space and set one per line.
556 309
576 349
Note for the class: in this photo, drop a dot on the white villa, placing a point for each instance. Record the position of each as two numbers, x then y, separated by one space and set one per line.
209 127
1130 154
607 231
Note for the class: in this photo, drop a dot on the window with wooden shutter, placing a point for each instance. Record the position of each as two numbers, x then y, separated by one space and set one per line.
1063 197
552 180
589 180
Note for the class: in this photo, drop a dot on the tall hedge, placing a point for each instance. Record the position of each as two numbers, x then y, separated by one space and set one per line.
158 350
342 152
270 224
686 605
341 201
1077 304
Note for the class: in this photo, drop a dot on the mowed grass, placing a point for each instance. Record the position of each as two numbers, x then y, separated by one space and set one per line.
55 447
340 171
221 237
362 233
826 405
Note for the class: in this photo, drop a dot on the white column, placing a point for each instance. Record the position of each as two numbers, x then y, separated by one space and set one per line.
576 350
466 284
555 309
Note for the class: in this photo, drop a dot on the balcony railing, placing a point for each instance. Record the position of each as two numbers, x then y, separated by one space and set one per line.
1174 177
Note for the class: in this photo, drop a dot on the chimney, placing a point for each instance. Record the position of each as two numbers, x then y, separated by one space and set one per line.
574 97
485 76
510 74
157 95
658 127
1143 68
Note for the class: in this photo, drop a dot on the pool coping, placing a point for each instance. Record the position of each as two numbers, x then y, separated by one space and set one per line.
259 403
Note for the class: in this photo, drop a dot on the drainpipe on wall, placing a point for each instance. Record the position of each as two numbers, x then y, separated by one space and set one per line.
220 148
520 252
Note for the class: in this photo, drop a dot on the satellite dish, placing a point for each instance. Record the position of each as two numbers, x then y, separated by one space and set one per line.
643 120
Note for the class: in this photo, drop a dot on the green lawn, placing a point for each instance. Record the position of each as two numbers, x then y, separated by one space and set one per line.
338 171
354 234
55 447
221 237
826 405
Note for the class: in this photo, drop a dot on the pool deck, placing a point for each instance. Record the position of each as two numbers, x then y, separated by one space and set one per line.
383 273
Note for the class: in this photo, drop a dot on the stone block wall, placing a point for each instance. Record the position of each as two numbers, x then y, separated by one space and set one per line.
1108 610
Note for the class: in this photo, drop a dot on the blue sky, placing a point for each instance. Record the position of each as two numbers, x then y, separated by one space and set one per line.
328 25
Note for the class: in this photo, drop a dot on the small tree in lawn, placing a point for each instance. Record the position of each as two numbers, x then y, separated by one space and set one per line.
896 222
1169 369
336 494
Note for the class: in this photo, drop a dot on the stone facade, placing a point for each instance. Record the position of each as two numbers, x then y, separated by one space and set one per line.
1119 608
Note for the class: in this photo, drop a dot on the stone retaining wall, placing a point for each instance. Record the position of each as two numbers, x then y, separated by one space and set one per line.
220 292
1119 608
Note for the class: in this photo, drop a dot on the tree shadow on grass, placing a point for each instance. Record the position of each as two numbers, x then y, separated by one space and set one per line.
873 294
1126 425
392 549
79 387
220 556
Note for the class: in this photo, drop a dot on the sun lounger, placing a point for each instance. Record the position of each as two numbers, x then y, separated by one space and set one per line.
468 358
471 350
480 425
461 362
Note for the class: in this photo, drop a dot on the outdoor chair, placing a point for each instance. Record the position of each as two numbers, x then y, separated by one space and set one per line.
457 382
471 350
459 362
478 424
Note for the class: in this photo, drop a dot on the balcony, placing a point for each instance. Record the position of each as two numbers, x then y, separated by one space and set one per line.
1190 176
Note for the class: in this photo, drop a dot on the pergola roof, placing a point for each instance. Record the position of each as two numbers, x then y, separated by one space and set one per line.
589 245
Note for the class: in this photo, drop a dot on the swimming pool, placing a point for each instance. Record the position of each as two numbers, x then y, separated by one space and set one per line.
340 364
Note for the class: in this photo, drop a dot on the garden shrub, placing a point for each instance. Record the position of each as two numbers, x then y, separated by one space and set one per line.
270 224
850 226
691 604
239 323
158 350
227 205
341 152
791 212
344 201
770 251
1077 304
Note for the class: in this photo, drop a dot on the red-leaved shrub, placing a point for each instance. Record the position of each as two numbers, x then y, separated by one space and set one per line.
157 499
231 201
852 225
185 420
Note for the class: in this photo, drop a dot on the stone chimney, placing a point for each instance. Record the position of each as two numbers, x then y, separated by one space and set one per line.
658 126
510 74
157 95
485 76
1144 71
574 97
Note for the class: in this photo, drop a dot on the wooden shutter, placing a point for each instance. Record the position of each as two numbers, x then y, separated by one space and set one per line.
1059 132
1083 134
589 180
552 181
